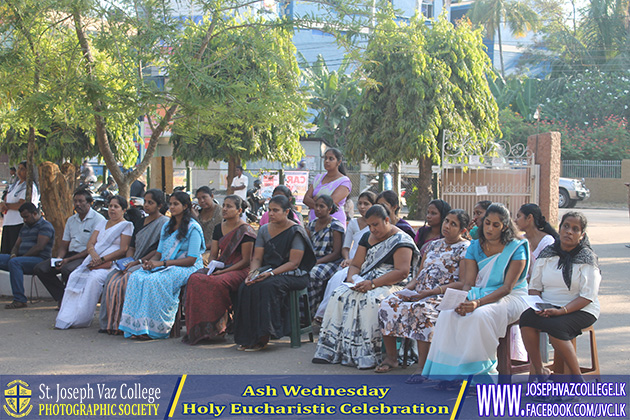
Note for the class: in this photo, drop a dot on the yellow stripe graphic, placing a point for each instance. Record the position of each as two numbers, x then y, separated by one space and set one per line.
457 403
179 391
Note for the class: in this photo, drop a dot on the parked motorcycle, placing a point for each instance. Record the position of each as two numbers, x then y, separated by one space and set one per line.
256 202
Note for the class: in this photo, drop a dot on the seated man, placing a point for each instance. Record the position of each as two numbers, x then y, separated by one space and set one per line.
73 247
34 245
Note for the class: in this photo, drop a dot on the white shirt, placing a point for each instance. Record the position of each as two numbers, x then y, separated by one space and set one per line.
585 279
16 193
78 231
237 182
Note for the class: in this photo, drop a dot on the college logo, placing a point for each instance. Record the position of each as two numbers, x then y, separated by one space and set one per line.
18 399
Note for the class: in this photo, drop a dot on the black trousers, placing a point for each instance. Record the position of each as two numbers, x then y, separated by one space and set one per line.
10 235
49 276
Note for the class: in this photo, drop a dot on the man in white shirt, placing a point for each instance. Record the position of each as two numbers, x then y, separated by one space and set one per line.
239 183
73 248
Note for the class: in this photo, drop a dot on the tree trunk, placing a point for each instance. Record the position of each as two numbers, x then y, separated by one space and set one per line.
56 196
425 188
501 52
233 162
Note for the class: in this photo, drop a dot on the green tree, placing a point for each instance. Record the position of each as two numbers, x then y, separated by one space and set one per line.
43 112
421 81
148 34
333 95
517 14
248 107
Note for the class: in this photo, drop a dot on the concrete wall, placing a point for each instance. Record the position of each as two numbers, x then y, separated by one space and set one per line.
610 190
38 287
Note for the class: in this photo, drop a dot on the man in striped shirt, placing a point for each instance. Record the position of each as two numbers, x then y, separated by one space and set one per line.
34 245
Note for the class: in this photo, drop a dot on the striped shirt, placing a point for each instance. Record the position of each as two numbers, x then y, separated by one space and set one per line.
29 235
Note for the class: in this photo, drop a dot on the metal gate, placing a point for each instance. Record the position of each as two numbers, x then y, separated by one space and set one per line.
501 173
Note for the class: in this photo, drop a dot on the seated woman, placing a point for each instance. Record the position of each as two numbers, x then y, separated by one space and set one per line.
356 229
152 295
538 232
477 216
567 276
108 242
432 229
326 235
282 190
414 316
209 217
144 243
465 340
350 333
389 200
208 299
283 256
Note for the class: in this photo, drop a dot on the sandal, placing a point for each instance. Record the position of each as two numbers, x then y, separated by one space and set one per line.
256 347
384 367
15 305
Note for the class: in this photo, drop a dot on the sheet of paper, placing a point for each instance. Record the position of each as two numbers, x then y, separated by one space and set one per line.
348 284
452 299
213 265
53 261
532 300
481 190
407 292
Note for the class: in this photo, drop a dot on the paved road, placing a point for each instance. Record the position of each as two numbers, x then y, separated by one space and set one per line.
30 345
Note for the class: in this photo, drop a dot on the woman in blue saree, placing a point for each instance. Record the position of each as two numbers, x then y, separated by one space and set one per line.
152 295
495 267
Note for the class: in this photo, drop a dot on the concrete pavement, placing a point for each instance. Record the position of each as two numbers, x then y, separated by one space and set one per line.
30 344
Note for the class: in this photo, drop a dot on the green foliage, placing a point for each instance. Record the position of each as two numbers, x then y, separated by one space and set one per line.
588 97
333 95
421 80
599 40
46 92
243 99
514 127
517 14
606 139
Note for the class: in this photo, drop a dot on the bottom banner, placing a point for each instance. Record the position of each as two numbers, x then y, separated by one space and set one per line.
296 397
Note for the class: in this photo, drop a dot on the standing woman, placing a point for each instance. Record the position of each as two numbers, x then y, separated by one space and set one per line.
209 217
109 242
432 229
465 340
356 229
152 295
567 276
350 332
326 235
389 200
283 256
334 183
144 243
15 197
208 298
538 232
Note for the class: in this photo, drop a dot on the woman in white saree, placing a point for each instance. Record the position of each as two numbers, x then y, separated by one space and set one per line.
108 242
466 339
